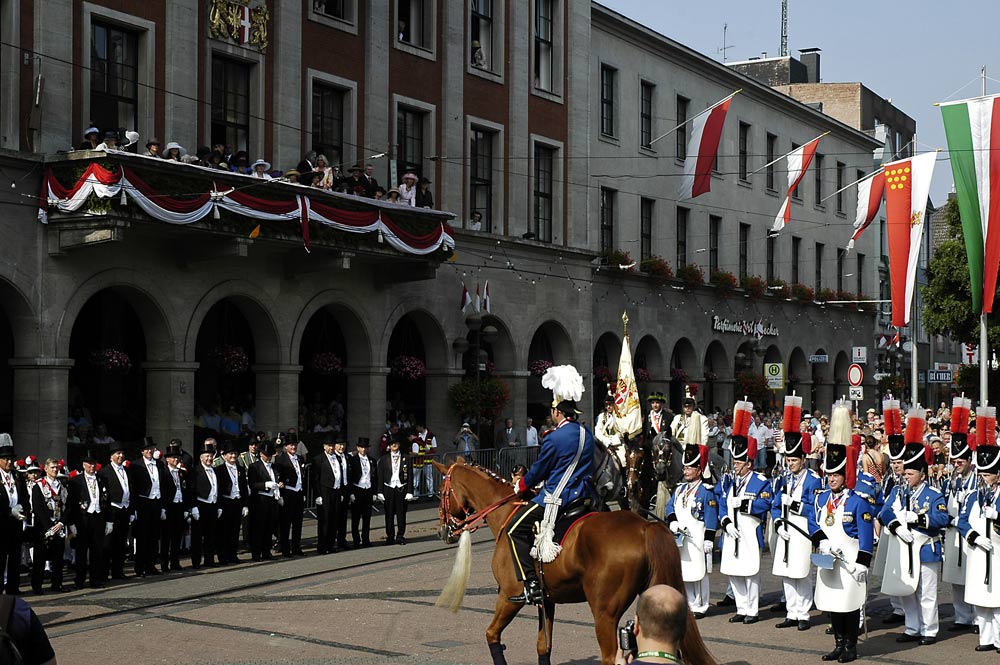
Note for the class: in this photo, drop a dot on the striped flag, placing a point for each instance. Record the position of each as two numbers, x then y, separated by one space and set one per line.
479 300
702 149
869 201
486 297
972 127
798 162
907 184
466 298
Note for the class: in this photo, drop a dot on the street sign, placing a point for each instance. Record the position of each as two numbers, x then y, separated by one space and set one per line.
819 358
856 393
970 354
939 376
775 375
855 375
859 355
878 376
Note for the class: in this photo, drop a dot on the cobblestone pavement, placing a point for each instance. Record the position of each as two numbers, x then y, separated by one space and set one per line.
377 606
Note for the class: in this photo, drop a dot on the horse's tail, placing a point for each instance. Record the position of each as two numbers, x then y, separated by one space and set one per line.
454 590
664 566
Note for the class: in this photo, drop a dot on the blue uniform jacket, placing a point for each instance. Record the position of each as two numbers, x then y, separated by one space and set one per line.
756 502
867 488
706 508
858 522
811 486
557 453
932 518
964 527
952 485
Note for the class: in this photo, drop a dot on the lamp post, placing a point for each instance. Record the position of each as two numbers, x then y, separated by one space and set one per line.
487 333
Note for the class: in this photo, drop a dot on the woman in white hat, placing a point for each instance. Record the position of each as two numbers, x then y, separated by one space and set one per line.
260 169
174 151
408 189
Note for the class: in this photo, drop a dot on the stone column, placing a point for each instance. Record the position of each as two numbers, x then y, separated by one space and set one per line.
277 397
365 406
180 110
170 401
517 381
53 35
288 82
41 395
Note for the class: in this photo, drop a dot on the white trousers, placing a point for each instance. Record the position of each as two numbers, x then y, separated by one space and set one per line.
964 613
746 591
920 607
798 597
897 606
697 595
988 620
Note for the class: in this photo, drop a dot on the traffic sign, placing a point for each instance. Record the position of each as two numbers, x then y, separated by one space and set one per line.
878 376
859 355
855 375
775 375
856 393
939 376
819 358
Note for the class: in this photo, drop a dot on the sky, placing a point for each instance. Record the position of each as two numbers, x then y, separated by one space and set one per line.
914 53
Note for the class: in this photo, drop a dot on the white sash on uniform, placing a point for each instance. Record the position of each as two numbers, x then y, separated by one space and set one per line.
694 566
953 570
836 588
798 548
977 591
748 562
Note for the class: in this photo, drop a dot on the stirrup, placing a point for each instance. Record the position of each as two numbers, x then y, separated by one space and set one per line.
532 594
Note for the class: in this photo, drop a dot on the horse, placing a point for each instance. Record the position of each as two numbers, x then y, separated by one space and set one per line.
607 560
654 469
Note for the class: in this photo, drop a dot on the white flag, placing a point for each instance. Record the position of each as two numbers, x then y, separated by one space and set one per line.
628 414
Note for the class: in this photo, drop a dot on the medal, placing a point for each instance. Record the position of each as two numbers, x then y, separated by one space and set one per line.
829 519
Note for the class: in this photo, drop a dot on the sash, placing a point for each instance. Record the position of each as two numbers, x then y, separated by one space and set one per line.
545 549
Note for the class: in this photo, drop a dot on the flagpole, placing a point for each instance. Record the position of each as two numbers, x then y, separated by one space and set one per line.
696 115
775 161
913 322
983 341
873 173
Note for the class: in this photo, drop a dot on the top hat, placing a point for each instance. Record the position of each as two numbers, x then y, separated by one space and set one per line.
115 446
173 450
362 442
230 446
207 448
147 443
110 134
355 167
266 448
915 457
89 456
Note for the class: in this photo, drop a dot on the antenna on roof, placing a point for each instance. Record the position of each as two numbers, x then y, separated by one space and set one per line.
725 47
784 29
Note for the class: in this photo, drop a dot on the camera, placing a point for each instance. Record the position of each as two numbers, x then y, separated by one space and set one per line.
626 637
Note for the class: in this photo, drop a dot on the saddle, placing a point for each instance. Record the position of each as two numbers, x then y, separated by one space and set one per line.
573 512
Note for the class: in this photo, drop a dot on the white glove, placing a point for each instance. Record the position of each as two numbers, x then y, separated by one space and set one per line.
131 518
786 499
108 528
187 517
218 513
269 485
17 512
380 498
352 500
674 527
990 513
859 573
783 533
195 514
72 531
910 516
904 534
163 514
246 511
732 531
983 543
408 497
708 546
825 547
319 501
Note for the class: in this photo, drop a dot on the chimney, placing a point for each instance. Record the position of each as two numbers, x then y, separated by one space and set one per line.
810 58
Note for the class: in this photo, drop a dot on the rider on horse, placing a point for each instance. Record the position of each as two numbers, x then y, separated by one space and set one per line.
565 466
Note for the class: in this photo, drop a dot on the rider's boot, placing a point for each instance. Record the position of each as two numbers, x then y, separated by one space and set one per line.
532 591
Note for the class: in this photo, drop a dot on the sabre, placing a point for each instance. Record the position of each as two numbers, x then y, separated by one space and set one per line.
786 477
988 495
909 546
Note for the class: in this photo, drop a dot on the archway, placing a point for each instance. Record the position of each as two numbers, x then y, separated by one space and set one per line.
7 349
798 371
107 383
716 367
550 345
323 383
649 365
840 384
684 367
225 383
488 363
607 353
406 385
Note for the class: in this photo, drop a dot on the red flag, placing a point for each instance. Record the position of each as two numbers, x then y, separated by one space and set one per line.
702 148
870 193
907 184
466 298
798 162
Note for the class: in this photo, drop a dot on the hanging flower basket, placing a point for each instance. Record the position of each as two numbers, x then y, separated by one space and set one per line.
232 359
603 372
326 363
111 361
678 374
642 374
409 368
711 376
538 367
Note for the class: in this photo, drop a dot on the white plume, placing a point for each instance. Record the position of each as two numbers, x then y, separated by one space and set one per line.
564 382
841 427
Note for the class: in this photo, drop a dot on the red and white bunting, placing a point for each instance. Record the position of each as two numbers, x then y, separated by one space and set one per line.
870 192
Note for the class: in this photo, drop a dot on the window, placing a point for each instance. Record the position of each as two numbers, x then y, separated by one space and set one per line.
841 170
543 44
861 276
230 103
414 22
645 228
410 143
796 252
819 267
714 230
744 148
682 237
770 241
342 9
543 192
608 100
482 34
481 176
682 114
646 114
772 148
744 268
840 269
818 177
114 93
328 121
607 219
795 192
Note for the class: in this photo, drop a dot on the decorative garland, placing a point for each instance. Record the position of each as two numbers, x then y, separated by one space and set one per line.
104 183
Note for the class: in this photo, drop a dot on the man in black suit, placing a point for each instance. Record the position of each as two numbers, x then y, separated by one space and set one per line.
659 417
187 461
146 477
176 498
265 488
50 512
361 483
233 496
120 509
395 489
13 514
204 507
88 494
330 476
290 473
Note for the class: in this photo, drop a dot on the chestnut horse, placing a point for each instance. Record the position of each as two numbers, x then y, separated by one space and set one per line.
607 560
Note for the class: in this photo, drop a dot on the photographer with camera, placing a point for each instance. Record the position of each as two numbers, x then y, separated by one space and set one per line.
655 634
466 442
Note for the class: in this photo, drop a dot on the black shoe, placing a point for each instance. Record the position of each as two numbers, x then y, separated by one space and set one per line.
985 647
390 541
699 615
828 631
737 618
401 541
893 619
959 628
532 594
779 607
153 571
902 639
298 553
850 653
787 623
804 624
927 641
726 602
837 650
749 620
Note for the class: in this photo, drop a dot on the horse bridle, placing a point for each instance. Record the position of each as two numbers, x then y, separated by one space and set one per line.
473 520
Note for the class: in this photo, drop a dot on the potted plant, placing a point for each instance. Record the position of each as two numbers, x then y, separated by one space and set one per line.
408 368
754 386
657 267
489 402
754 285
711 376
826 295
678 374
691 274
723 281
111 361
778 288
615 259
